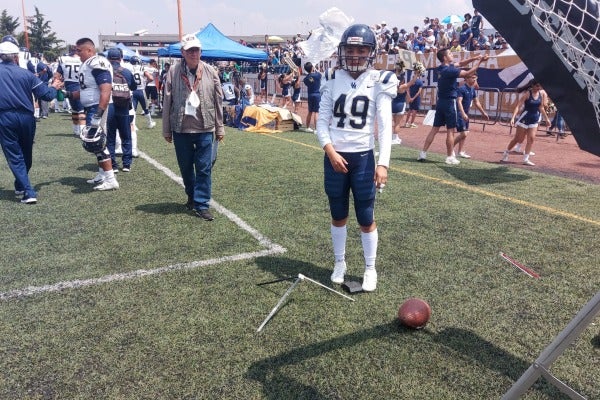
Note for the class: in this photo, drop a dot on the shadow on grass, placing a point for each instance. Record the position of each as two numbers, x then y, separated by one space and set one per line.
270 372
163 208
282 267
485 176
468 344
277 385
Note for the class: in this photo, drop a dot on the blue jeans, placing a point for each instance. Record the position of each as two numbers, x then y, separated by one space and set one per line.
194 156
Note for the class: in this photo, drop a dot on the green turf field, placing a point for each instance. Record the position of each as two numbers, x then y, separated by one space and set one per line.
126 295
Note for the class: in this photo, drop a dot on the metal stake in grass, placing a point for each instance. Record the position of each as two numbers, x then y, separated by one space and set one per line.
299 279
521 267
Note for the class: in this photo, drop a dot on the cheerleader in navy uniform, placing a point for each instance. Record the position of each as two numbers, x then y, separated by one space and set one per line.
531 106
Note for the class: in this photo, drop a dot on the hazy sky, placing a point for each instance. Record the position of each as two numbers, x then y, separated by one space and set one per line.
74 19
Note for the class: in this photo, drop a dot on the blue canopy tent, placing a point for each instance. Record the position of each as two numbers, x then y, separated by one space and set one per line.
128 53
216 46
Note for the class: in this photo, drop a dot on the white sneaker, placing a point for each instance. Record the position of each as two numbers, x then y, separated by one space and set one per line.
369 280
135 154
339 270
464 155
422 156
452 160
504 156
110 184
306 129
527 162
119 152
151 124
397 141
96 180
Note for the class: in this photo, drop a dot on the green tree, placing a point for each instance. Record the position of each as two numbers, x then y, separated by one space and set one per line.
41 37
8 24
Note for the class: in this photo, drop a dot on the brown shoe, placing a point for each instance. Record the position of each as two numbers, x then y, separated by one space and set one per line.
204 214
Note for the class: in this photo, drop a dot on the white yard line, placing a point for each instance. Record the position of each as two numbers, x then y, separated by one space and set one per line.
271 248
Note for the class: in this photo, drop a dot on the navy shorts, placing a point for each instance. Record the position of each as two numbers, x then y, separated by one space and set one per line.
445 113
359 179
314 99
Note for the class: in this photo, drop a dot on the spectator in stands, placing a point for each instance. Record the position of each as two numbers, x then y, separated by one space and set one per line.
476 23
419 43
429 39
426 24
450 31
465 36
455 46
443 40
395 36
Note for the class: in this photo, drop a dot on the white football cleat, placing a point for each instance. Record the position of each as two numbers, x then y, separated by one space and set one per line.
109 184
369 280
339 270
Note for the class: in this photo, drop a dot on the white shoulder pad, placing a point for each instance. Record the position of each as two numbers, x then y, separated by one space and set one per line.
387 82
99 62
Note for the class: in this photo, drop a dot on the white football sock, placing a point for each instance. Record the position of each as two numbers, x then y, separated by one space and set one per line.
338 237
369 244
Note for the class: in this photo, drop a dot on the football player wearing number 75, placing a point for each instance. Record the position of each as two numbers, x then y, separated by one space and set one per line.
353 97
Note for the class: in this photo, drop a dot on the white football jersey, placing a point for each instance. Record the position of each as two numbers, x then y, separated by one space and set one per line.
154 72
70 68
349 108
90 92
139 76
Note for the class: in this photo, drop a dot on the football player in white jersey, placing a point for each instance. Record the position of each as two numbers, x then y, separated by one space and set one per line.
151 89
141 77
95 78
353 98
68 68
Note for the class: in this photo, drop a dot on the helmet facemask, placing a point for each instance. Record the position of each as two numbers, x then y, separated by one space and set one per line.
352 63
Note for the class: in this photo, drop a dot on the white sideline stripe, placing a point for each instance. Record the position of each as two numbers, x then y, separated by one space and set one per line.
272 248
80 283
222 210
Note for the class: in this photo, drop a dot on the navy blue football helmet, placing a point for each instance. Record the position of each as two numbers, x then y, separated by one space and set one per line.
135 60
357 35
10 38
93 139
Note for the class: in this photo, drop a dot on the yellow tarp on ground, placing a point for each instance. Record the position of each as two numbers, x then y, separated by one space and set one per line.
267 119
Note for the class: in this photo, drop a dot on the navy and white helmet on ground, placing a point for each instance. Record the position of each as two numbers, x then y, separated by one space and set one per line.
135 60
93 139
357 35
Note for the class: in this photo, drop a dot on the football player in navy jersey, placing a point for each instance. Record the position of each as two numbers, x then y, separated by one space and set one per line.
354 97
445 109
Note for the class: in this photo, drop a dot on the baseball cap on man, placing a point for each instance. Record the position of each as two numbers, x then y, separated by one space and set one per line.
190 41
8 48
114 54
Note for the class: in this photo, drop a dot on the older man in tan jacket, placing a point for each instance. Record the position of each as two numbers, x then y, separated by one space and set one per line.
192 120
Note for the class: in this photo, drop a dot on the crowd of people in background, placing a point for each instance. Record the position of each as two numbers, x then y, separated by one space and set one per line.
431 35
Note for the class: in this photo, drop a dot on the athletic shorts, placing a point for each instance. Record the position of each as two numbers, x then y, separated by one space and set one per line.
445 113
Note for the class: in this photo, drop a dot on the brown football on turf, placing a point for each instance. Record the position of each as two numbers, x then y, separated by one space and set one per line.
414 313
